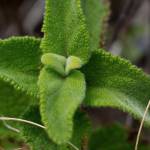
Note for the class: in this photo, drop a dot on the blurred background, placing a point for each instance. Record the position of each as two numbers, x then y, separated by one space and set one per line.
128 35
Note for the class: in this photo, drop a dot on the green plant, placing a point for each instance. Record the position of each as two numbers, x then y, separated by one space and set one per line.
64 70
112 137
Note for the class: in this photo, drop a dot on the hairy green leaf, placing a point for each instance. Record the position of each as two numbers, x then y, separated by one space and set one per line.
38 139
55 62
59 99
60 64
12 104
114 82
65 30
20 62
96 14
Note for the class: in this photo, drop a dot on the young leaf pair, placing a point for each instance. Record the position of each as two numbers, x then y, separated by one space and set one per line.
74 71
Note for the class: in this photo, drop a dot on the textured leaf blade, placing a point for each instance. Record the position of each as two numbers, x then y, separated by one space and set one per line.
96 14
59 99
35 136
12 104
20 62
65 30
114 82
38 139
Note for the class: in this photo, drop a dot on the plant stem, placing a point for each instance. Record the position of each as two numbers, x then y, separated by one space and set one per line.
73 146
21 120
141 125
10 127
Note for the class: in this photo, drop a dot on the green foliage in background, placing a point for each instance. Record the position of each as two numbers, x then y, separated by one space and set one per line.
112 138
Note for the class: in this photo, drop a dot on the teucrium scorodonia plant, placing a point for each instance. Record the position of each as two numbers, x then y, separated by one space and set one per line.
65 69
